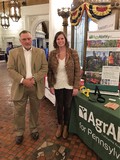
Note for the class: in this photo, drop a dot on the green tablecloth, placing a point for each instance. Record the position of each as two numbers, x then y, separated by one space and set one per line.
97 126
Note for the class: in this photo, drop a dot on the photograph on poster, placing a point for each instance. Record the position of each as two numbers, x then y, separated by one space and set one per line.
93 77
103 43
95 60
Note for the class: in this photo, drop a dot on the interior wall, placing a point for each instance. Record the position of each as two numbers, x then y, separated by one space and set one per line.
31 16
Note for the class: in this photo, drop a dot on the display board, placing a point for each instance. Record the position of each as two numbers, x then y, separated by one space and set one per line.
103 58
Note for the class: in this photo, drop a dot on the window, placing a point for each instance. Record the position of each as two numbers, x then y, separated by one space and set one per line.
79 36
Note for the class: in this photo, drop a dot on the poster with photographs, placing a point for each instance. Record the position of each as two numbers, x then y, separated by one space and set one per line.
103 49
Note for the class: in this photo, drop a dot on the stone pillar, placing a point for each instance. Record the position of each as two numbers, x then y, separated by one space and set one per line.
115 4
72 36
64 13
55 21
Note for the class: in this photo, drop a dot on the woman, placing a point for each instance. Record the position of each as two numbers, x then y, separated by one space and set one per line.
111 59
63 80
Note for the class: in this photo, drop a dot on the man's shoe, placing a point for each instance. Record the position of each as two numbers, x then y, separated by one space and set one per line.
35 136
19 139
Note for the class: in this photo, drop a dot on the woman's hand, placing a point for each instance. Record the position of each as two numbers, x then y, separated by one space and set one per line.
75 92
52 90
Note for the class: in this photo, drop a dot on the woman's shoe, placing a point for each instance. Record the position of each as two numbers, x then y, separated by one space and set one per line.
59 131
65 132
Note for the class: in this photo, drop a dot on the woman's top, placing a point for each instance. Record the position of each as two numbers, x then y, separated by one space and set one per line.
61 76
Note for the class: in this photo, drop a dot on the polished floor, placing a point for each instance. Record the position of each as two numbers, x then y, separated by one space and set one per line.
47 147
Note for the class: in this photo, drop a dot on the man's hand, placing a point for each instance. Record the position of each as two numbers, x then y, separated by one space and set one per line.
28 82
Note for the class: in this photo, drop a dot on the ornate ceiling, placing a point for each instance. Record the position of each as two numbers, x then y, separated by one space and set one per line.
30 2
76 3
23 3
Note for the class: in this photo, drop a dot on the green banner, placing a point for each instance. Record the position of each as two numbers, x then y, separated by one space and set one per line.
97 126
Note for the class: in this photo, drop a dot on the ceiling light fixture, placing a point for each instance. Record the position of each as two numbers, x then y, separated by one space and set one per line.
14 10
4 18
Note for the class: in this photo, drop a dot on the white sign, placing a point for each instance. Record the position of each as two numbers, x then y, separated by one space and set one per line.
107 23
49 95
110 75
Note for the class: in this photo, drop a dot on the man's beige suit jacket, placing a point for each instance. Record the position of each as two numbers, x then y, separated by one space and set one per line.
16 67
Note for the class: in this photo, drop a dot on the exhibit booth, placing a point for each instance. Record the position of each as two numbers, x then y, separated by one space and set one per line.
95 114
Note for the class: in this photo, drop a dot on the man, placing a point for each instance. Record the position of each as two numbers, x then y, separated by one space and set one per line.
9 47
27 66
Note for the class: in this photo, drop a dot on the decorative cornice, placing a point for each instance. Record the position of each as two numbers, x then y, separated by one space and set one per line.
115 4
